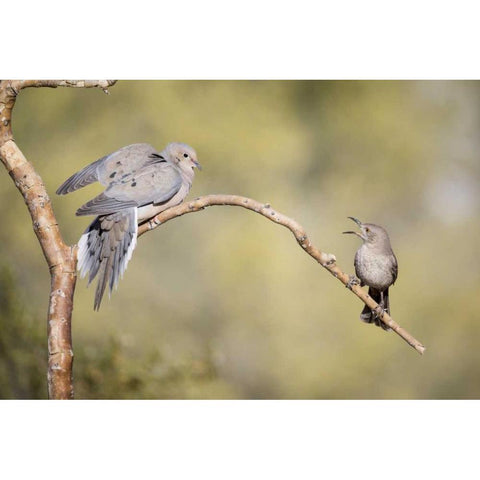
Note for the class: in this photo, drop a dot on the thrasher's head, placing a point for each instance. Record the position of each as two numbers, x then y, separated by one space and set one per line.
369 232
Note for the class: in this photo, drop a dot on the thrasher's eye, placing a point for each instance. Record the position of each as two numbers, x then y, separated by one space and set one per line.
367 229
185 155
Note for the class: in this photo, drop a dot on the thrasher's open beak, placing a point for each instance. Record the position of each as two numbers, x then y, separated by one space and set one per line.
356 220
359 223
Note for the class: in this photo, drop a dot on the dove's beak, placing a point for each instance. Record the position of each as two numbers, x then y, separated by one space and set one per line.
197 164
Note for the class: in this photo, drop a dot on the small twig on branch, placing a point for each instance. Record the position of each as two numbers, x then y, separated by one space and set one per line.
326 260
61 258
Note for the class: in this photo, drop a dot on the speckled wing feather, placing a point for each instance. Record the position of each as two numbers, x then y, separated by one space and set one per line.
124 161
81 179
154 183
131 157
135 176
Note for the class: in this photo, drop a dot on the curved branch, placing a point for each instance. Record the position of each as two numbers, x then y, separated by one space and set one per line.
61 258
326 260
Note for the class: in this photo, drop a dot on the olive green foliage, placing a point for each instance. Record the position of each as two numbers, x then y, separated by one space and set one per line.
22 356
222 303
106 372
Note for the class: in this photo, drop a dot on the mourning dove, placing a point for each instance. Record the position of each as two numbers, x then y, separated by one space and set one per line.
375 266
140 183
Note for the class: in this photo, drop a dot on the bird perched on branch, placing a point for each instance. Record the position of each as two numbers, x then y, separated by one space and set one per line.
375 266
140 183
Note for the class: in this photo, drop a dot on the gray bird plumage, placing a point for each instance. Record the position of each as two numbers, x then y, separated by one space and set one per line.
140 183
375 266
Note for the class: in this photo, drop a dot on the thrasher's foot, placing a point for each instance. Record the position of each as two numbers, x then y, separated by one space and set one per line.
378 311
352 280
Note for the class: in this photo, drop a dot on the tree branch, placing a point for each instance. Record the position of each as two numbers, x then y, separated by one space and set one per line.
61 258
103 84
326 260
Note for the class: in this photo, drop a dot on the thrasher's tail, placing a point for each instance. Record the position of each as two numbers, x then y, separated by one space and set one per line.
106 248
368 315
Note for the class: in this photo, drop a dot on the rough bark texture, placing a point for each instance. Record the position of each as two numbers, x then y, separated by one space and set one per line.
61 258
326 260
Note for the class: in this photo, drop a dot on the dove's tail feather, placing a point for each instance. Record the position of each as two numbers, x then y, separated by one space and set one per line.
368 315
105 249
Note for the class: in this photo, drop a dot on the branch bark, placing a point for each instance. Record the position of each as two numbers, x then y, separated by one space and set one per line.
61 258
326 260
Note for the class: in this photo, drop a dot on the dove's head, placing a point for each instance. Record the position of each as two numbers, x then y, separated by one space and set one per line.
183 156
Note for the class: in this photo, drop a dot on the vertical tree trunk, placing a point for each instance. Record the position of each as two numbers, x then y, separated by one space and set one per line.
59 330
61 258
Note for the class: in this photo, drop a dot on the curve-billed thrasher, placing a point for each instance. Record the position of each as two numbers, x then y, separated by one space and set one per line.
375 266
141 183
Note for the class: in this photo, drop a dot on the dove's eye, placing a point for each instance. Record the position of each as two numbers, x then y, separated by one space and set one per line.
185 155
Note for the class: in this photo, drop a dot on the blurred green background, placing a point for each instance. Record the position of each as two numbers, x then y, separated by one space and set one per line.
224 304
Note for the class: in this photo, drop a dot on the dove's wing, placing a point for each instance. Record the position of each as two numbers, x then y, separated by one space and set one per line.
105 169
156 182
81 179
122 163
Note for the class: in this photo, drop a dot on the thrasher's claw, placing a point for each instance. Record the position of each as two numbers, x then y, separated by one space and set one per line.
379 311
352 280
